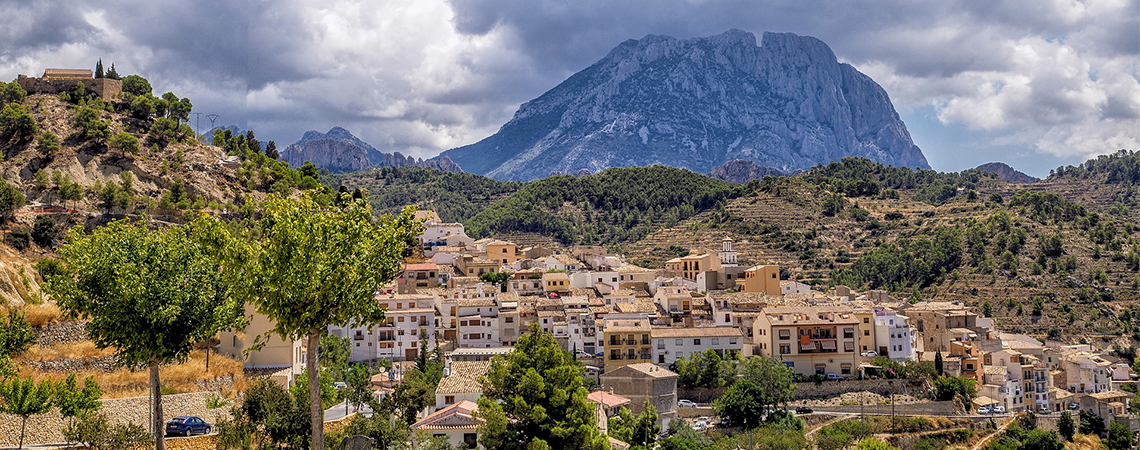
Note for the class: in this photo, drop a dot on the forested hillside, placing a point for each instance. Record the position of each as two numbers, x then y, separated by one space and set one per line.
456 196
610 207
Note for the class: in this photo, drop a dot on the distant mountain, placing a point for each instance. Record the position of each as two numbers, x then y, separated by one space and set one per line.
742 171
698 103
340 151
1007 173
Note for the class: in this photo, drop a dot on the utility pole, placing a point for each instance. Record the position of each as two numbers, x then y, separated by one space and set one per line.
198 124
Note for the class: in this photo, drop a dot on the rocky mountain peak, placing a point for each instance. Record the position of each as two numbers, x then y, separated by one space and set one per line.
340 151
698 103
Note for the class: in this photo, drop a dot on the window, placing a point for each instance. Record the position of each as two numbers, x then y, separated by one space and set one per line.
510 319
400 319
866 320
696 342
715 341
679 342
785 349
785 335
732 341
845 369
866 332
848 333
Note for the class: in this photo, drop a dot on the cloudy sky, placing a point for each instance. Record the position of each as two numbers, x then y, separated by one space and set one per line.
1034 83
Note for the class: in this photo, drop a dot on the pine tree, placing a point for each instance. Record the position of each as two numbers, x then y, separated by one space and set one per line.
533 399
113 74
1065 426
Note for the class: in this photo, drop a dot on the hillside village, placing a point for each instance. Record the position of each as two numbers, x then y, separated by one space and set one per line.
630 324
663 325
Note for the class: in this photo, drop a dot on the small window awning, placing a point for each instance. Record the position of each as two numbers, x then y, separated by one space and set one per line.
808 347
828 345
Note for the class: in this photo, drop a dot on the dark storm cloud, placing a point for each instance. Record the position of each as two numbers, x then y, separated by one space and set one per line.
419 77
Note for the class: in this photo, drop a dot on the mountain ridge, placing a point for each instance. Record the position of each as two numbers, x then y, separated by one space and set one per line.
339 150
696 104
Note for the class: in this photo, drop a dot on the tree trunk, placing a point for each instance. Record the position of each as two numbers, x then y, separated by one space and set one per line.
316 413
156 397
23 427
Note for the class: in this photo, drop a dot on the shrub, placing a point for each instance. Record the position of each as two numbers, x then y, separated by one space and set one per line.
11 199
87 119
20 238
96 432
48 143
43 232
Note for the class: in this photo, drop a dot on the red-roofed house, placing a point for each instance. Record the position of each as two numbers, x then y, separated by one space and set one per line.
610 401
456 422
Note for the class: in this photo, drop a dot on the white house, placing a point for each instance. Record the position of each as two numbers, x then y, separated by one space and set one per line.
478 322
669 343
893 335
456 422
409 317
460 382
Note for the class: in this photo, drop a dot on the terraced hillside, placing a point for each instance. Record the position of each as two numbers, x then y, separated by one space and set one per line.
1042 263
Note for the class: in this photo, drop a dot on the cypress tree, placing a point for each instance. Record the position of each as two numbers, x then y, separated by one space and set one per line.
99 69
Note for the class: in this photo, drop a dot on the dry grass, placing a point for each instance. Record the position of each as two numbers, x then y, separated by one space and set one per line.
127 383
43 314
74 350
1085 442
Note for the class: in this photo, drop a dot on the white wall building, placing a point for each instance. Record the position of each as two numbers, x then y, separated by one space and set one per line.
893 335
672 343
409 317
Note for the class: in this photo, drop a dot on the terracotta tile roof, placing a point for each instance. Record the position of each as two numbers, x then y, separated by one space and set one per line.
811 315
626 325
630 268
669 332
421 266
610 400
643 370
476 302
463 377
583 292
458 416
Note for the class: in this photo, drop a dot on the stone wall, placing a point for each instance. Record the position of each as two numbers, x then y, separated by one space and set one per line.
105 88
826 389
48 428
60 333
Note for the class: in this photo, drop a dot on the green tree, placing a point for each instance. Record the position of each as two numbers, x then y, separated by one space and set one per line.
742 404
1091 423
1119 436
358 384
25 398
112 73
150 295
947 388
640 431
16 335
316 267
17 124
11 199
125 143
94 128
43 231
269 417
938 363
271 151
99 69
775 380
334 355
74 401
533 399
136 85
48 143
1065 426
11 93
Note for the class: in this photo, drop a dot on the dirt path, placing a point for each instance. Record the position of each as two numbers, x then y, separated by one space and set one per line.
817 426
995 433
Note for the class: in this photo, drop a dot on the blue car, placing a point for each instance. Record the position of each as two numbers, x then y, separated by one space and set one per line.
187 426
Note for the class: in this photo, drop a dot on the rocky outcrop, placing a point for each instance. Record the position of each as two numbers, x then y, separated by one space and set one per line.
19 279
340 151
1007 173
697 103
742 171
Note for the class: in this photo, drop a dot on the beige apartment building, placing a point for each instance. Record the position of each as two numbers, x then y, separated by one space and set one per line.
812 340
764 279
287 355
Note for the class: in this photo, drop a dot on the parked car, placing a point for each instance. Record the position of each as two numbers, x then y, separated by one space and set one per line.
582 354
700 426
999 409
1044 410
870 354
187 426
804 410
835 377
984 410
1074 406
686 404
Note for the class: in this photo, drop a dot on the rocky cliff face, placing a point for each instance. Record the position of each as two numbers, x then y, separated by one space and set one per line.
742 171
1007 173
697 103
340 151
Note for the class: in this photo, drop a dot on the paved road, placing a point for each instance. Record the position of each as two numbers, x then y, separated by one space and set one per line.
338 412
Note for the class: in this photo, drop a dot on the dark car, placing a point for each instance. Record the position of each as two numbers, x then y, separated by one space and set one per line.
804 410
187 426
